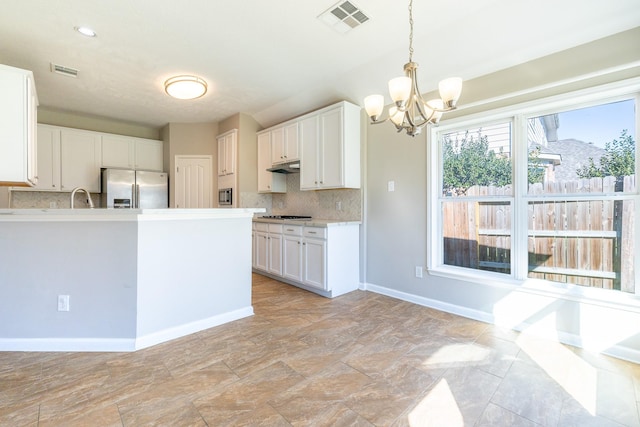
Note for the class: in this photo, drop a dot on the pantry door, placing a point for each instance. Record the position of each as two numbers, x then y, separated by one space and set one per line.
193 175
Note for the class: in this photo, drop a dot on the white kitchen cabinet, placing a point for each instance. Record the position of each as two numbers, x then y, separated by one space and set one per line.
260 250
149 155
275 252
268 182
268 249
324 260
80 160
18 118
330 148
227 146
131 153
284 143
292 252
48 159
314 262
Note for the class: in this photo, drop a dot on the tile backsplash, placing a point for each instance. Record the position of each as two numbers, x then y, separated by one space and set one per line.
343 204
49 200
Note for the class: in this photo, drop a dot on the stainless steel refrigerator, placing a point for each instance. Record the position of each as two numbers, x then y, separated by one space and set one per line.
128 189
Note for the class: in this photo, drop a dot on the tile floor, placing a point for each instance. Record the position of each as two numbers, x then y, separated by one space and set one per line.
358 360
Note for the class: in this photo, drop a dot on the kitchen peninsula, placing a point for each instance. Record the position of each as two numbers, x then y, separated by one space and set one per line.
120 279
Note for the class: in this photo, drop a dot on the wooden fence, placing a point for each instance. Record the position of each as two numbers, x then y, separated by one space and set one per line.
587 243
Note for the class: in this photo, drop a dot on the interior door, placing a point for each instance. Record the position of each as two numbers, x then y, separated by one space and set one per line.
193 175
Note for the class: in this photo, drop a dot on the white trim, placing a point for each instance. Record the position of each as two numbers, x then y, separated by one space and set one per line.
120 344
620 352
432 303
190 328
68 344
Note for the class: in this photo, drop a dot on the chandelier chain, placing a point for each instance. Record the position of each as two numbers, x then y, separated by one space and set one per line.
411 31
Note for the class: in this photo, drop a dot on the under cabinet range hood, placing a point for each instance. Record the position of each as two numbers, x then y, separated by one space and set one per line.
291 167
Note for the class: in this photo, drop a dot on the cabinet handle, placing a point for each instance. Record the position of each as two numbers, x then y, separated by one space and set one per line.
54 186
312 232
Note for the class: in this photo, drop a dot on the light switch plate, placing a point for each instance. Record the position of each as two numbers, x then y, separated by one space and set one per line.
391 186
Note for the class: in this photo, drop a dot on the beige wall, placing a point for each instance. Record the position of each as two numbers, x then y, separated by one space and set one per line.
188 138
98 124
396 240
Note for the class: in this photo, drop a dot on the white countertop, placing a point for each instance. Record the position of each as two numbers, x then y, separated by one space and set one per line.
313 222
122 214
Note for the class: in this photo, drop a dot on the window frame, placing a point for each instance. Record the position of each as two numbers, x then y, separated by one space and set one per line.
518 114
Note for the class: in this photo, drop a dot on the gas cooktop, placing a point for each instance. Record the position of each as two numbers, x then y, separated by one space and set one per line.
285 217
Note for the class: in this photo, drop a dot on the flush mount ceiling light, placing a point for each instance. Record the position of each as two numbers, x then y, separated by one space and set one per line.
185 87
410 112
85 31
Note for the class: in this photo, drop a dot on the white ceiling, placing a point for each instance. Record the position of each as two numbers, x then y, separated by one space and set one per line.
275 59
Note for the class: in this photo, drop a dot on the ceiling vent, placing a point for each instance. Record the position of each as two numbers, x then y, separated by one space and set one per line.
344 16
65 71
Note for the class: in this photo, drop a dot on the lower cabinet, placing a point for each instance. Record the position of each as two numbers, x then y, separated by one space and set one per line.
324 260
267 248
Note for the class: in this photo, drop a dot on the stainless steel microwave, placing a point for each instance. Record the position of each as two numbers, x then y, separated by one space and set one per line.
225 197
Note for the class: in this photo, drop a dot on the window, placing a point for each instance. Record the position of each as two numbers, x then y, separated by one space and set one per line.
476 199
548 194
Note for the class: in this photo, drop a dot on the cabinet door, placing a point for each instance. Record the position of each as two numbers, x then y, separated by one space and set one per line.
17 127
48 159
275 254
309 153
268 182
314 263
292 254
261 251
227 153
80 160
331 147
277 146
149 155
291 150
117 152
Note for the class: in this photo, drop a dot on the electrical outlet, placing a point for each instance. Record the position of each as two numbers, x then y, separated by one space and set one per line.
63 302
419 272
338 206
53 205
391 186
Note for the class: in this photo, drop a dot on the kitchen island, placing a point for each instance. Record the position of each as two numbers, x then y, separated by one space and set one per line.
129 278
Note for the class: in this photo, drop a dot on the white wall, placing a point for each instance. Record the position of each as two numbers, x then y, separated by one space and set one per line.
395 226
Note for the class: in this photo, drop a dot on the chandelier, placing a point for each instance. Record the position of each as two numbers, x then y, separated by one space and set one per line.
410 112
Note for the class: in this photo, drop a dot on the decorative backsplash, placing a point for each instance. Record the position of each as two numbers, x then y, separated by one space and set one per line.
318 204
49 200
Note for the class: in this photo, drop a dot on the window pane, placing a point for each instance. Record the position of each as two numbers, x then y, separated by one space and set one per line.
477 235
588 150
477 161
588 243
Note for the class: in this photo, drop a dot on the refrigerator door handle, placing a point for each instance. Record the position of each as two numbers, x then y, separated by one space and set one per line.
138 196
133 196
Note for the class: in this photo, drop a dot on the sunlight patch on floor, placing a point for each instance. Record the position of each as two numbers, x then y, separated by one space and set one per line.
572 373
438 408
457 355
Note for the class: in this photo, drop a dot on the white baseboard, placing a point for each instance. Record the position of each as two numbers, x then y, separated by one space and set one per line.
190 328
120 344
620 352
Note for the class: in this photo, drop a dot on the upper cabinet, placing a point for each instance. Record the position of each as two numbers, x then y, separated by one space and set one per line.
330 148
18 118
284 143
48 158
79 160
131 153
268 182
227 146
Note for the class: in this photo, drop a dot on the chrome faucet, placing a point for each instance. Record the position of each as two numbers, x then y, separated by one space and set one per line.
73 195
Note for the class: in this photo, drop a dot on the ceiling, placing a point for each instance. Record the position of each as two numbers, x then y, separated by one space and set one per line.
276 59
